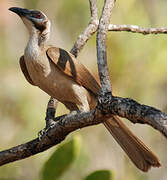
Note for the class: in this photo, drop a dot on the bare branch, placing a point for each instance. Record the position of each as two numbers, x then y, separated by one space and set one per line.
66 124
101 45
89 31
63 126
133 111
137 29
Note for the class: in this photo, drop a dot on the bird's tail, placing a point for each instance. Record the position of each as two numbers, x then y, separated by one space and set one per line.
137 151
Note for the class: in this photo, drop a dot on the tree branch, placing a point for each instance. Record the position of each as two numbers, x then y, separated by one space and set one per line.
133 111
137 29
63 126
89 31
66 124
101 46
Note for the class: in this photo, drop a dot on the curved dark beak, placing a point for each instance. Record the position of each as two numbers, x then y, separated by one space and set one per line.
20 11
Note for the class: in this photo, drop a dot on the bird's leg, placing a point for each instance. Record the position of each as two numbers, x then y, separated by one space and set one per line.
50 116
50 112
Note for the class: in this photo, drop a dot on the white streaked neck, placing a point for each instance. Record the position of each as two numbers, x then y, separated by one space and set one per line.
32 49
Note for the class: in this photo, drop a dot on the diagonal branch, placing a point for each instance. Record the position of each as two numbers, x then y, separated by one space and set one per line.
137 29
64 125
89 31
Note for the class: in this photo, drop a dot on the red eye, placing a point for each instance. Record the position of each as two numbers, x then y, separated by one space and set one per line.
39 15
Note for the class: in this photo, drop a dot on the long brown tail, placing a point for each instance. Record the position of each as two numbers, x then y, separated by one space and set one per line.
137 151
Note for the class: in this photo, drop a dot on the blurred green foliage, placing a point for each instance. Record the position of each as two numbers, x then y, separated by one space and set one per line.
66 11
61 159
100 175
31 4
137 65
64 157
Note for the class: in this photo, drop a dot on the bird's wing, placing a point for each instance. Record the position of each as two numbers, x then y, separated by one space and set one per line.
25 71
141 156
68 64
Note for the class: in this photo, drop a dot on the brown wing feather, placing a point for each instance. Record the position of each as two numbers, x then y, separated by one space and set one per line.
25 71
67 63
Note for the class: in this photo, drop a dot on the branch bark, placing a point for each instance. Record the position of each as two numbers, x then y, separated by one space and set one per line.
133 111
64 125
101 46
137 29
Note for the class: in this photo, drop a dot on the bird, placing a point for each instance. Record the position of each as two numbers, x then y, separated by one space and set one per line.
59 74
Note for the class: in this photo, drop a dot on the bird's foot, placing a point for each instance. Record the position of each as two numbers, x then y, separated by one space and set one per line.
50 123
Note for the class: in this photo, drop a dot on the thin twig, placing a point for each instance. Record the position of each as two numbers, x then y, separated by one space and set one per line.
137 29
101 45
89 31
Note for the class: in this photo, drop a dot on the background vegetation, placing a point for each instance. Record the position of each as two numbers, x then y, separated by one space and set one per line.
138 70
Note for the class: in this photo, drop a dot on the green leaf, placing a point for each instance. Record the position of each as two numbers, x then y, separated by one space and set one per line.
61 159
100 175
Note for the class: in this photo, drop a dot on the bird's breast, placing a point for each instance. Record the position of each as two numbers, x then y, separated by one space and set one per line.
38 68
54 82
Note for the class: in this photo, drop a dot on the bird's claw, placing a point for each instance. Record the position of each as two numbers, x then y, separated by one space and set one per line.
42 133
50 124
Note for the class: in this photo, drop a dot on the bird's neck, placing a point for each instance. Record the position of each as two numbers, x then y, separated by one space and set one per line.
36 42
32 49
43 38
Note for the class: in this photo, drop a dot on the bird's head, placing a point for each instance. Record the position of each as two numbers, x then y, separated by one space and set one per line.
36 21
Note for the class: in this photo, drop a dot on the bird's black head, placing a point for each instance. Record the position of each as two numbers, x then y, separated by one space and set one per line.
32 18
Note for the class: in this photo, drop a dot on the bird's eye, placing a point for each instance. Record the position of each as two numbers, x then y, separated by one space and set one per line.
36 14
39 15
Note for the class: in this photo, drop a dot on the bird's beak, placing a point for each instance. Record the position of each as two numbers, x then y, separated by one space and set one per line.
20 11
